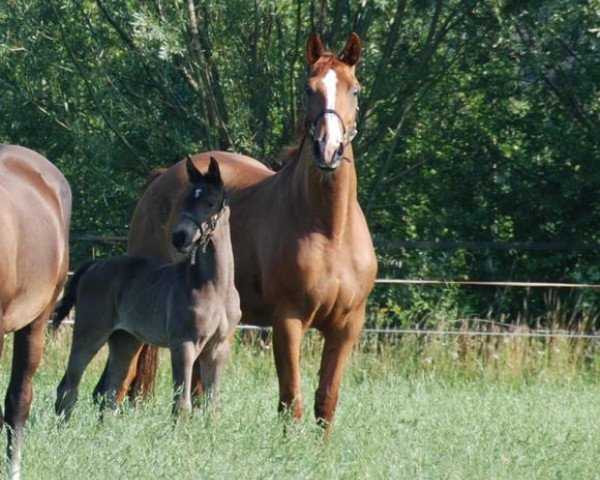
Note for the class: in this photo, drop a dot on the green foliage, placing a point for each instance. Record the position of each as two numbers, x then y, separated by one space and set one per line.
479 121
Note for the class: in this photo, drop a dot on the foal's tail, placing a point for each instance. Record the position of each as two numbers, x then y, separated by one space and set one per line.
69 295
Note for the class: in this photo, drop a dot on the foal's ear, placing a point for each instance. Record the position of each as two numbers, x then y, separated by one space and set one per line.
351 53
214 174
314 48
194 175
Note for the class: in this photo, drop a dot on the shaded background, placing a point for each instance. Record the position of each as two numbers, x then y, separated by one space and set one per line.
479 122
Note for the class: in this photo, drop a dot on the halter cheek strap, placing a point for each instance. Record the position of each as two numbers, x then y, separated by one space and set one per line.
207 229
311 125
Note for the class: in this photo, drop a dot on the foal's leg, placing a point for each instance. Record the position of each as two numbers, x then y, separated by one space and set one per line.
122 350
100 388
183 355
287 337
336 349
27 353
197 387
211 364
84 347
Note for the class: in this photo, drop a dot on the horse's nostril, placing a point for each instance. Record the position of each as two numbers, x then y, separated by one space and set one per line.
178 239
316 149
340 150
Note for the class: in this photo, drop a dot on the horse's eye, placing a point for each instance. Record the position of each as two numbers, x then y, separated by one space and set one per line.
307 90
356 91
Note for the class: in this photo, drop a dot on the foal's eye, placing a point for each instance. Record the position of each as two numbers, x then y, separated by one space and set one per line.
307 90
356 91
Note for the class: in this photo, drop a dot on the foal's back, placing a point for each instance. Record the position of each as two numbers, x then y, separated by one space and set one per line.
132 293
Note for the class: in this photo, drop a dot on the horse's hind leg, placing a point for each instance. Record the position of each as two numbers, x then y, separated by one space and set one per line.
85 345
123 348
100 388
1 350
27 353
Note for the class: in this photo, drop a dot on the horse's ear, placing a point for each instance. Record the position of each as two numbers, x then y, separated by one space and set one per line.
214 174
314 48
194 175
351 53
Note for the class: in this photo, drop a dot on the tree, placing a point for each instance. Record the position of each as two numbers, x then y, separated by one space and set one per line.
479 121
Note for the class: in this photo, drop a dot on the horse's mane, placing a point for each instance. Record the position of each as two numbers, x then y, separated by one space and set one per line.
288 152
157 172
292 150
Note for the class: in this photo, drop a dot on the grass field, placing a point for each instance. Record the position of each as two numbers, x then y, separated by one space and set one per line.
426 412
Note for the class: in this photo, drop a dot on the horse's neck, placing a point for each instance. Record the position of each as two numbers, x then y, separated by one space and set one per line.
216 263
329 197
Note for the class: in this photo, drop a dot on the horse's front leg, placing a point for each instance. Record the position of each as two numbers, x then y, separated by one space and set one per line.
1 350
211 363
27 353
183 355
287 337
336 349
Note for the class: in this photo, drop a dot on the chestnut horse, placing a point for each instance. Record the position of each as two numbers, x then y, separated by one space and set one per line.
34 259
303 253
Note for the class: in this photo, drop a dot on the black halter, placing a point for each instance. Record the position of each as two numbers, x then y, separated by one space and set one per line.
207 228
311 125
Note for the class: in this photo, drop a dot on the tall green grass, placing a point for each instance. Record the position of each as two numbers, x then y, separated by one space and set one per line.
412 407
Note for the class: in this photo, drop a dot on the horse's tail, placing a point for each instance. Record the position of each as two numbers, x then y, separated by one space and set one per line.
69 295
157 172
142 385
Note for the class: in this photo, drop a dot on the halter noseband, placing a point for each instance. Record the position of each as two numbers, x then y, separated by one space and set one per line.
207 228
311 125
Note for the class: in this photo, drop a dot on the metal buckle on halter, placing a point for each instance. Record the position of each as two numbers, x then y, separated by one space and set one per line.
206 232
349 135
206 228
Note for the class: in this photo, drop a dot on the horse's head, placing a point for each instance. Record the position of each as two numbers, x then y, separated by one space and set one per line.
201 208
331 99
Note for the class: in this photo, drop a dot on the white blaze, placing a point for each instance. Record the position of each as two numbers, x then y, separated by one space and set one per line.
333 127
330 82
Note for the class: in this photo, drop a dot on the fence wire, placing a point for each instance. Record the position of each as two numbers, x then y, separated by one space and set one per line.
417 331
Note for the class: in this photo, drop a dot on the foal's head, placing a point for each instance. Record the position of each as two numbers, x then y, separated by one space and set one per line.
331 99
201 209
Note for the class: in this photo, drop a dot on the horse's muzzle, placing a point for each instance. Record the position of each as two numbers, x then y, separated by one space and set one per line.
183 238
326 158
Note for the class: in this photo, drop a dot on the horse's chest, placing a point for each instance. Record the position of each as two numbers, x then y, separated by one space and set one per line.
205 319
212 313
318 276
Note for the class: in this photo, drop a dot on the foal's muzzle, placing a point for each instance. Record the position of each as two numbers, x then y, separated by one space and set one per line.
183 236
189 232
